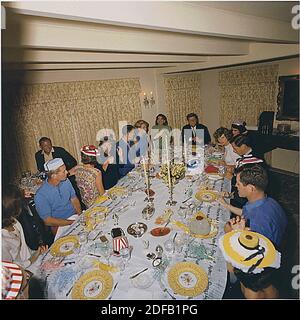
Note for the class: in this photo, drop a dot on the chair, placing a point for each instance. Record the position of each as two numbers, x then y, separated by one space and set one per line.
265 122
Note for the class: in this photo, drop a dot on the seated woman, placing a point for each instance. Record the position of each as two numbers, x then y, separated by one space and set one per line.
108 162
142 137
159 132
239 127
88 178
14 246
223 136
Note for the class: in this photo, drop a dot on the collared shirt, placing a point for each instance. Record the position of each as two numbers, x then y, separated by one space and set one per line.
55 201
267 218
49 156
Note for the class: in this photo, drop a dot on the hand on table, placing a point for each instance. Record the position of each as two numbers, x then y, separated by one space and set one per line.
238 223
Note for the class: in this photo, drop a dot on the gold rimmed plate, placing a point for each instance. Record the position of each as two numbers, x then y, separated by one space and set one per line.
117 191
64 246
187 279
94 285
206 196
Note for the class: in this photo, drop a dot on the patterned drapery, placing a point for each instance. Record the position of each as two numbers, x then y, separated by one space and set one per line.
246 92
70 114
182 97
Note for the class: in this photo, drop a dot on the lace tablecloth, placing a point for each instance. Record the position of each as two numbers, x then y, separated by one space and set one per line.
60 280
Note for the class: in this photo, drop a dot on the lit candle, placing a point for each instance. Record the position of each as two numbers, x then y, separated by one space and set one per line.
168 163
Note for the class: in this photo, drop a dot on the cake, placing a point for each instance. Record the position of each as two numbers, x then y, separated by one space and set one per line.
200 226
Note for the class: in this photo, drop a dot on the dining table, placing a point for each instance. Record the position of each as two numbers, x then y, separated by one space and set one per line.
158 248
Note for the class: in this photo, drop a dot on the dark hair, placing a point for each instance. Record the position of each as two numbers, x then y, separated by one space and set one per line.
241 127
257 281
12 200
191 115
44 139
85 159
219 132
139 124
162 116
253 174
240 140
126 129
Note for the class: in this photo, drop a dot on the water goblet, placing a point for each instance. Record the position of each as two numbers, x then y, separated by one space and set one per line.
125 254
106 252
169 246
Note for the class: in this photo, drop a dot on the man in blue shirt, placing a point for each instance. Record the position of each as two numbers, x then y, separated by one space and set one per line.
127 151
260 214
56 200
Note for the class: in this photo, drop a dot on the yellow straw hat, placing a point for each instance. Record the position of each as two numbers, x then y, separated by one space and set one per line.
249 251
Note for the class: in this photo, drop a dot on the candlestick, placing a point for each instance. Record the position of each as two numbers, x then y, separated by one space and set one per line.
168 164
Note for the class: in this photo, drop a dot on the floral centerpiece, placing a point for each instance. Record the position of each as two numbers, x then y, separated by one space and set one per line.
177 171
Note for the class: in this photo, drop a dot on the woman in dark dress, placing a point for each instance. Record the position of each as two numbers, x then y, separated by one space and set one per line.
108 162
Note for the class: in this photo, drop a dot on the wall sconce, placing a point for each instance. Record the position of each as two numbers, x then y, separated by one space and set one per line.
148 103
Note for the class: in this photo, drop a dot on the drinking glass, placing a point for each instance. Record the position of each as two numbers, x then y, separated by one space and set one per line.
125 254
169 246
106 252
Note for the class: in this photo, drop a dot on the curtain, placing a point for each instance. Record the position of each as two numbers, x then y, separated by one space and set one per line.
246 92
182 97
70 114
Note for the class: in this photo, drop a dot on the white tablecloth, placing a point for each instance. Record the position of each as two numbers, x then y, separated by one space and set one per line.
62 280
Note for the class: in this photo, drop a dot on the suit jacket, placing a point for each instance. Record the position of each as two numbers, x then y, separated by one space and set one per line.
207 138
59 152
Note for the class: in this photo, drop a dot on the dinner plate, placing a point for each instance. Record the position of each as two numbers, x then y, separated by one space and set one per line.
97 212
160 231
137 229
206 195
142 281
117 191
101 199
64 246
94 285
187 279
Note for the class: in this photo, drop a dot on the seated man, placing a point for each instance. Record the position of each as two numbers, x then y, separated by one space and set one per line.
49 152
127 151
260 214
191 133
56 200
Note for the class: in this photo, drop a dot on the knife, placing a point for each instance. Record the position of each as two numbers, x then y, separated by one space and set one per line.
137 274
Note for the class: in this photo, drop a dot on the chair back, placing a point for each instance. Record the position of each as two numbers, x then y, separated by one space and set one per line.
265 122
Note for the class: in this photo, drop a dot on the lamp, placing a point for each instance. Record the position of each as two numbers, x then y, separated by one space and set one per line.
149 102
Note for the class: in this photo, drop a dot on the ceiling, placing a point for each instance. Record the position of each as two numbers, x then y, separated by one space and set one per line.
165 36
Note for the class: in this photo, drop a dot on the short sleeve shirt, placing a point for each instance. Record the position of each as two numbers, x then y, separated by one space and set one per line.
55 201
267 218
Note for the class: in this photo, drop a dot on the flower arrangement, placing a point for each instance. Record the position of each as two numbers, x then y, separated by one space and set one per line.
177 172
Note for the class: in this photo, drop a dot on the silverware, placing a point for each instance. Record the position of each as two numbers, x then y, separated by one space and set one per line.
167 223
94 255
69 291
137 274
164 289
115 286
186 200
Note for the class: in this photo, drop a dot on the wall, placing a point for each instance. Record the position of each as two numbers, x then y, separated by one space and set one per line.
210 94
146 77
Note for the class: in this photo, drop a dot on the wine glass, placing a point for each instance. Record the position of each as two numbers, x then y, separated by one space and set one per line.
169 246
106 252
125 254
